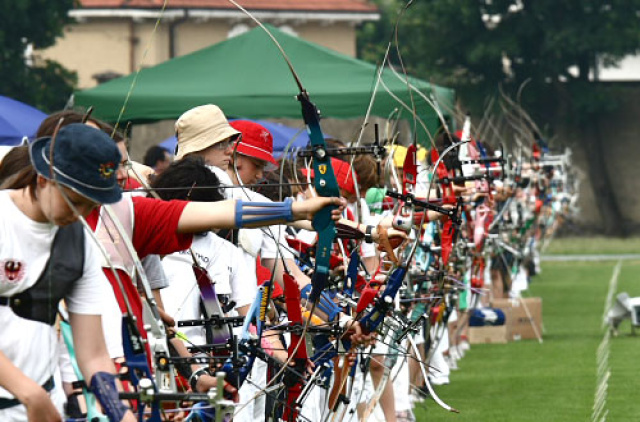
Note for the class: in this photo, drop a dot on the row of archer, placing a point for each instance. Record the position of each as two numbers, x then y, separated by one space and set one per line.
499 209
348 290
371 289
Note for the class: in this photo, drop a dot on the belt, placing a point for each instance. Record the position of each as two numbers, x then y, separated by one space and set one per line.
10 301
7 403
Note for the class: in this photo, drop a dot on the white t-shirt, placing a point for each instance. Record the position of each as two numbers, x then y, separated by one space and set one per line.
262 240
24 250
224 263
254 241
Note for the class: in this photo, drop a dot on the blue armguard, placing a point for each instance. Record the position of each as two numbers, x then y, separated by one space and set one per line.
250 213
103 385
325 304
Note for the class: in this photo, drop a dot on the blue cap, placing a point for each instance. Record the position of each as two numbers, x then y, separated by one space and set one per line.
85 159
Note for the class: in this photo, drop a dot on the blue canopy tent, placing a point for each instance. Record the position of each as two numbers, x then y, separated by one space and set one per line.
282 136
18 120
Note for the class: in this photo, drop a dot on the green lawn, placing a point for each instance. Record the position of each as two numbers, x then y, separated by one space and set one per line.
593 246
554 381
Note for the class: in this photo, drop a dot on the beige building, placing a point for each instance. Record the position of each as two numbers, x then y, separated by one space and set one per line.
111 38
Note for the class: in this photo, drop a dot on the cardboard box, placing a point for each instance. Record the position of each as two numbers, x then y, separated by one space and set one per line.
526 316
490 334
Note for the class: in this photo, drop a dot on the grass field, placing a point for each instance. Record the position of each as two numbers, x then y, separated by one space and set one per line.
556 380
593 246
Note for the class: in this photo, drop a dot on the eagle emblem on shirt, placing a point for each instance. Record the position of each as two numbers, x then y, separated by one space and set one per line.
12 271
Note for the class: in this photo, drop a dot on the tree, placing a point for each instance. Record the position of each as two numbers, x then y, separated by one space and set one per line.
33 24
476 46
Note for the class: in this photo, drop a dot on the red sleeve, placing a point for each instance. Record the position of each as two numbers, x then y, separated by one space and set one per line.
155 226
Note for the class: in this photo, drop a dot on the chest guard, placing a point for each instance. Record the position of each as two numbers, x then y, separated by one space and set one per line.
111 238
64 267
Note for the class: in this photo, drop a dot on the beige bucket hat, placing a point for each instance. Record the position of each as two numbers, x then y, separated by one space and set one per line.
199 128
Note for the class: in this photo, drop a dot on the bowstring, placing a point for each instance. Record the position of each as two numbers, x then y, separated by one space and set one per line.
140 67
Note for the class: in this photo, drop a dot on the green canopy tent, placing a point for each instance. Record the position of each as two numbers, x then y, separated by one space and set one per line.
247 76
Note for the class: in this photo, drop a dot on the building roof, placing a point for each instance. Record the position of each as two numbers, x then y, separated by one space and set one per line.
334 6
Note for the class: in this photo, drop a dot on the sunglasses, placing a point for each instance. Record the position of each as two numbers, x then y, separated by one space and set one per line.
126 164
226 144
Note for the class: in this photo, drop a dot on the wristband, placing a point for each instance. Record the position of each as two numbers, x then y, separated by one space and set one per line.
193 379
325 303
103 386
368 238
252 213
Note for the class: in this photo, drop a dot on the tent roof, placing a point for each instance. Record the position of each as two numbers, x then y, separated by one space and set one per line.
18 120
247 76
308 5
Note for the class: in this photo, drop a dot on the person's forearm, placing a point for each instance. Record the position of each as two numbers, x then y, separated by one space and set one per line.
203 216
243 310
297 273
91 351
14 380
183 352
275 267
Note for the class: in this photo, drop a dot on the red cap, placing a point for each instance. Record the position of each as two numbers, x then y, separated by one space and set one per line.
256 141
342 170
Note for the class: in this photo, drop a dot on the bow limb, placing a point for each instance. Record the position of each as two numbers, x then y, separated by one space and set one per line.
297 350
448 197
405 106
428 384
392 332
410 170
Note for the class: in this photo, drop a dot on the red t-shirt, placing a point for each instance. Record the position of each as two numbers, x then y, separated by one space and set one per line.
155 226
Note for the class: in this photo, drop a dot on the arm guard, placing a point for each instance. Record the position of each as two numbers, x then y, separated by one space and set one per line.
103 385
252 213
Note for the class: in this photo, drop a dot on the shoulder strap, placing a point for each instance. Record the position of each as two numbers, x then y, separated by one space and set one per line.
64 267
